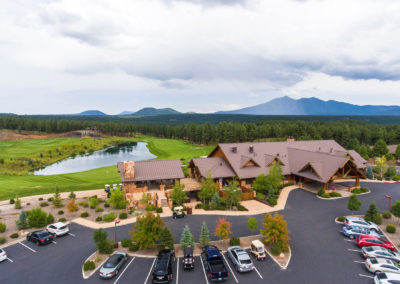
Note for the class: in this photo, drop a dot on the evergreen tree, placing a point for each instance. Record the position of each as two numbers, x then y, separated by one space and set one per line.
57 201
166 239
371 212
354 203
204 238
208 189
397 154
22 222
186 238
252 224
396 209
178 194
370 174
380 148
232 194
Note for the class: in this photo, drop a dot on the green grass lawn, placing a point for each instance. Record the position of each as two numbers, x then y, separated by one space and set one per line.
25 185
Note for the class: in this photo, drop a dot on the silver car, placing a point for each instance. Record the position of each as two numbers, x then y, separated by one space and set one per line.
376 265
381 252
113 264
360 222
240 259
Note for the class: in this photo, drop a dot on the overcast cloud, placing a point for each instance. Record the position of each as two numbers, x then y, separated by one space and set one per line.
193 55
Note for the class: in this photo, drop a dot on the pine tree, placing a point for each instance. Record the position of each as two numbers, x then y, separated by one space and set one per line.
22 222
354 203
186 238
57 201
204 238
369 173
371 212
166 239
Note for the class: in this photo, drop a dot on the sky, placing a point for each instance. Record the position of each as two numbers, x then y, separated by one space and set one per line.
192 55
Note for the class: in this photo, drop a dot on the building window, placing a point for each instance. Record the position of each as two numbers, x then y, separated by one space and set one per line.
248 181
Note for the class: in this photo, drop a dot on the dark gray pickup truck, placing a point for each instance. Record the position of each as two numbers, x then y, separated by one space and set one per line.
214 264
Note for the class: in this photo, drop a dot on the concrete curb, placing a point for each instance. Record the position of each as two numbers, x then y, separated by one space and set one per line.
283 267
94 270
334 198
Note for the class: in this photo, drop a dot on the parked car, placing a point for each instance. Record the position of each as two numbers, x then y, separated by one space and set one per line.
113 264
376 265
3 255
258 250
40 237
353 232
387 278
381 252
214 263
188 259
240 259
374 241
178 212
360 222
162 271
58 229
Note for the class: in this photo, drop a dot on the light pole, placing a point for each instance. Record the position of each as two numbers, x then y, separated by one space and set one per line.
390 201
115 233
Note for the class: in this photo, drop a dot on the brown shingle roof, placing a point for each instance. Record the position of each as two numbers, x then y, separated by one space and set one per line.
153 170
217 166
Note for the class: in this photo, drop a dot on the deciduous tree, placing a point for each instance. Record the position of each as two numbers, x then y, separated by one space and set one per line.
178 194
223 229
208 189
252 224
147 230
166 239
117 199
276 233
232 194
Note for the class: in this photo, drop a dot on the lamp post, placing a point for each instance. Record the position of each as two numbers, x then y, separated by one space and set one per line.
390 201
115 233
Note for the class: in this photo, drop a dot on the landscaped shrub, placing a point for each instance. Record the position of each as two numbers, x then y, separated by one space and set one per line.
341 218
234 241
72 195
62 220
12 201
199 206
159 210
44 204
99 219
50 219
50 199
321 191
84 214
133 247
37 218
150 207
71 206
123 215
377 219
387 178
2 240
275 249
60 212
335 194
93 201
40 198
17 204
83 204
240 207
325 195
99 209
379 178
386 214
89 265
272 200
260 196
106 205
390 228
28 203
109 217
3 227
106 246
22 222
126 243
14 235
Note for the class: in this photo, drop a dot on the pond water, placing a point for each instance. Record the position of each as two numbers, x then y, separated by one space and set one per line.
107 157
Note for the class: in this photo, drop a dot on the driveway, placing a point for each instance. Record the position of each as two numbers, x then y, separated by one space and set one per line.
320 254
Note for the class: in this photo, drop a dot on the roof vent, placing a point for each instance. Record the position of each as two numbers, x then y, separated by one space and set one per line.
251 148
277 154
234 149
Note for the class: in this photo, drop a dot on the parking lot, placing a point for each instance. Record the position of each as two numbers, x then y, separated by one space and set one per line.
320 253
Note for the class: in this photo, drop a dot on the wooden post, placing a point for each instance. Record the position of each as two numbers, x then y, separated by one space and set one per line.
357 181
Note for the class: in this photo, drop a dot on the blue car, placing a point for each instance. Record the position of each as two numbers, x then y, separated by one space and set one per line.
353 232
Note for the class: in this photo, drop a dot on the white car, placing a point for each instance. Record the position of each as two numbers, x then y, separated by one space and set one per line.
380 252
3 255
57 229
387 278
376 265
360 222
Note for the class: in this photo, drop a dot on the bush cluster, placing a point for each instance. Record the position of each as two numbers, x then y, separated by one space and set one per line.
109 217
83 204
60 212
93 202
44 204
234 241
260 196
62 220
99 209
390 228
89 265
272 200
84 214
99 219
240 207
3 227
123 215
126 243
2 240
14 235
341 218
159 210
335 194
150 207
386 214
396 178
133 247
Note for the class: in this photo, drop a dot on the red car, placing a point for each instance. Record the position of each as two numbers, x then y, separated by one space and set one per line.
368 241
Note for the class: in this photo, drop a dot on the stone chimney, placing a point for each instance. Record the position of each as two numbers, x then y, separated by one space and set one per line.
129 169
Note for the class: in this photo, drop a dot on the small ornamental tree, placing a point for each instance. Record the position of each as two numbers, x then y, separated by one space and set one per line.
232 194
178 194
72 206
276 233
17 204
186 238
260 184
103 244
145 199
252 224
72 195
380 165
223 229
208 189
22 222
354 204
390 172
147 230
204 238
397 154
57 201
166 239
369 174
371 213
50 219
396 209
117 199
37 218
380 148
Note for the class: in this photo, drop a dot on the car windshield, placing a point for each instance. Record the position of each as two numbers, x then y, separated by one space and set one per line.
245 261
109 265
42 234
260 249
63 227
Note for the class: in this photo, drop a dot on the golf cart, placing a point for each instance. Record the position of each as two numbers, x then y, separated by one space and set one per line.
188 260
178 212
258 250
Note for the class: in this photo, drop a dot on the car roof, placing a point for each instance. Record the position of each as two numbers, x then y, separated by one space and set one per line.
381 260
391 275
59 224
257 243
352 218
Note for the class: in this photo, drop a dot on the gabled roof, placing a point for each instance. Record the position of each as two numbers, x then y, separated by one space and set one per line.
153 170
217 166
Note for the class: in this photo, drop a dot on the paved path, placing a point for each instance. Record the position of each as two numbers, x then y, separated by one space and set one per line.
320 254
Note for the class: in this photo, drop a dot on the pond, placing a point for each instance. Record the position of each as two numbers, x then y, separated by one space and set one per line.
133 151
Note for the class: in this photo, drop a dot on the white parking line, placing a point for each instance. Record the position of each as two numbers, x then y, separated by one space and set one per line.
348 240
356 250
230 268
205 275
357 261
71 234
255 268
367 276
27 247
151 268
124 270
9 259
53 242
177 270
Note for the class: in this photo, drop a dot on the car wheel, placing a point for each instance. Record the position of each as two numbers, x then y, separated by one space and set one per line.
351 237
38 243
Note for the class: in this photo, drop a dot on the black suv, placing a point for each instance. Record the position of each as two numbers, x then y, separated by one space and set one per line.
162 272
40 237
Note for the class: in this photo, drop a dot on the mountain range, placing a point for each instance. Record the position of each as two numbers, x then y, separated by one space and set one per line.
313 106
151 111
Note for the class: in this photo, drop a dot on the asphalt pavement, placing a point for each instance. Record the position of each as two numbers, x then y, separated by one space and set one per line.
320 254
